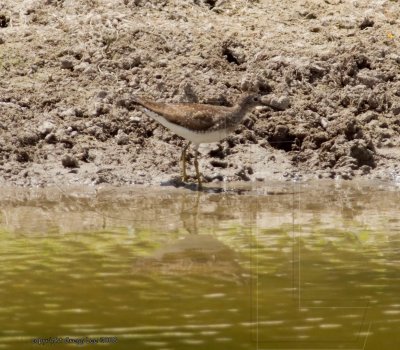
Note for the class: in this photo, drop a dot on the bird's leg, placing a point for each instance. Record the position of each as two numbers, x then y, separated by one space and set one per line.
183 163
196 165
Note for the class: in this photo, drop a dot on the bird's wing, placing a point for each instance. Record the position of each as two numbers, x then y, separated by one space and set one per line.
190 115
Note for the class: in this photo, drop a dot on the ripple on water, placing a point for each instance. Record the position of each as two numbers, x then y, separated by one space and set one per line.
391 312
155 343
330 325
214 295
192 341
187 293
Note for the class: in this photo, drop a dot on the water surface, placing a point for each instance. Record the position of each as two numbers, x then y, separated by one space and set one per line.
283 266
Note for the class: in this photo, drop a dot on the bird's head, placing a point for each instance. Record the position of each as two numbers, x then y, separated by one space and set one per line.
250 100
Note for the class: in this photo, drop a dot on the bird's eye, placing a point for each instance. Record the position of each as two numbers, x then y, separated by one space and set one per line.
255 99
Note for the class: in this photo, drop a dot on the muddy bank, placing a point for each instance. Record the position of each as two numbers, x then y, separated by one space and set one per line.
331 71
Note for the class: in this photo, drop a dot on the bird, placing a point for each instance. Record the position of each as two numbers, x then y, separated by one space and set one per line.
198 123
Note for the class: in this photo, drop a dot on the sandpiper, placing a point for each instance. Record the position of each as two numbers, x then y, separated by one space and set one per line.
198 123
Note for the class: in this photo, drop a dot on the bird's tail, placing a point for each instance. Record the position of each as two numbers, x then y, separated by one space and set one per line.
135 100
131 102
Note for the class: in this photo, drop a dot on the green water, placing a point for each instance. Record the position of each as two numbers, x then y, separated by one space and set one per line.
284 266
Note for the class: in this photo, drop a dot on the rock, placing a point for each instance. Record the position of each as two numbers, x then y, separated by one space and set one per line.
324 122
69 162
345 176
130 62
102 94
135 119
367 22
361 153
99 179
68 112
365 169
396 110
216 177
369 116
326 174
235 55
90 69
279 102
81 67
346 162
23 157
67 63
122 138
98 109
219 163
4 21
242 174
46 128
315 29
51 138
28 139
368 78
162 63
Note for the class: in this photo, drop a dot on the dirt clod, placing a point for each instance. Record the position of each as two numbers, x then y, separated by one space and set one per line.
69 162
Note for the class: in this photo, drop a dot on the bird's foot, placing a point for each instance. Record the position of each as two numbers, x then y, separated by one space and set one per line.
201 179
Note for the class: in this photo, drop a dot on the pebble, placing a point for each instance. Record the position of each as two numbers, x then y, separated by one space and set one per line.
66 64
102 94
50 138
324 122
135 119
81 67
46 127
216 177
122 138
69 112
219 163
162 63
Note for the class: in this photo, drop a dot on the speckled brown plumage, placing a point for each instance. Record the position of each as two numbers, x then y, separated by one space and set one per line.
201 117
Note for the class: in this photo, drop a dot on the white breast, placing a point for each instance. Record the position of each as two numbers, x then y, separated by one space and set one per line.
195 137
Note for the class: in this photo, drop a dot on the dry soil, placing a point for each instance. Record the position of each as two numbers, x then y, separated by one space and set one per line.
69 68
